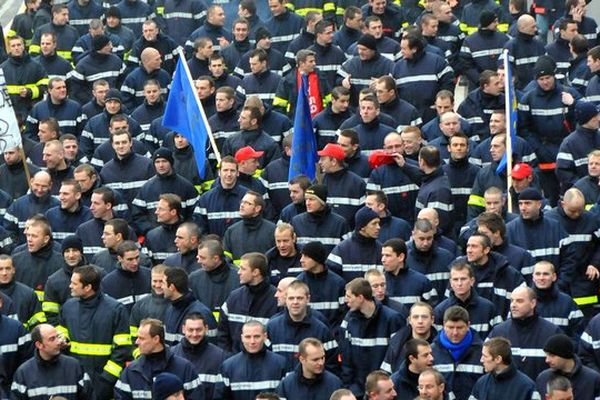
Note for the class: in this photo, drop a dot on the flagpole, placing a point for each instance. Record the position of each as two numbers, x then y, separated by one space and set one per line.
213 144
509 122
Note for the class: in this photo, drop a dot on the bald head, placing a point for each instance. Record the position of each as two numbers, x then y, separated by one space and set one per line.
573 203
150 59
281 289
431 215
526 24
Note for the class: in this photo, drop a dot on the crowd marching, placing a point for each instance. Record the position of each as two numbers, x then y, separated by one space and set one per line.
416 264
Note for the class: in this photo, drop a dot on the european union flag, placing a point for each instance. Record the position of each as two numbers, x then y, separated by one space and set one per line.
304 143
511 112
184 114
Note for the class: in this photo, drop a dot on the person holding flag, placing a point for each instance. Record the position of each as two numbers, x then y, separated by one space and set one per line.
319 90
185 115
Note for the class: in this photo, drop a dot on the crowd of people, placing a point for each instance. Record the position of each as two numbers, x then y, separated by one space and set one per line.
416 264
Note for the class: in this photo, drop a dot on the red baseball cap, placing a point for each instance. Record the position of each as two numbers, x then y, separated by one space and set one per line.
333 150
246 153
521 171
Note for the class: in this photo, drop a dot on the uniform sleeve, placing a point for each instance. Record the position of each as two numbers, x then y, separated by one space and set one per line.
35 314
192 385
121 346
587 351
122 387
281 102
224 334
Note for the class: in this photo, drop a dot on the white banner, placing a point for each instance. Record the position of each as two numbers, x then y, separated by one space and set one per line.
10 135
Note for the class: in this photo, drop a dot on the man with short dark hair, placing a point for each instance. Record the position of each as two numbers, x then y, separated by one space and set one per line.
310 376
482 312
67 112
216 278
25 300
420 326
403 283
502 378
456 352
478 106
98 329
252 135
495 279
255 299
187 238
128 171
432 261
435 189
298 322
364 348
136 379
253 232
218 208
24 77
38 260
160 241
206 357
129 282
411 72
66 218
327 122
114 232
418 358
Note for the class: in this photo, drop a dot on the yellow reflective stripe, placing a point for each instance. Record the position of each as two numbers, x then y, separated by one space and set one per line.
133 331
280 102
35 90
340 10
136 352
113 368
588 207
303 11
329 7
37 318
290 6
51 307
13 89
475 200
91 349
326 100
257 173
160 10
583 301
35 49
40 295
11 33
237 262
43 81
228 254
63 332
66 54
502 27
217 315
122 339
